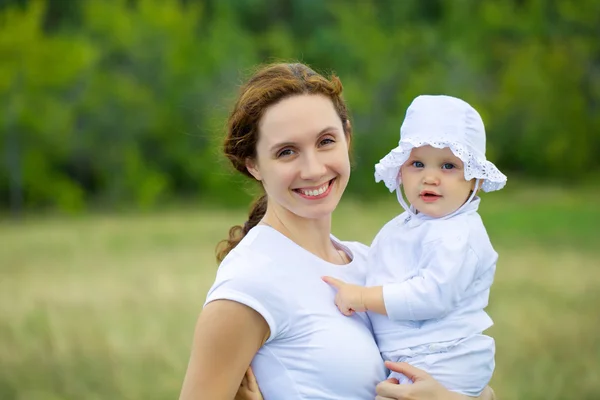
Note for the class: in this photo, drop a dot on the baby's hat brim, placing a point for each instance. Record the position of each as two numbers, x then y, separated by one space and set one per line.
475 166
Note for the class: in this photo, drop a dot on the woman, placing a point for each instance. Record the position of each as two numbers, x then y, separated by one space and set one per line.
290 131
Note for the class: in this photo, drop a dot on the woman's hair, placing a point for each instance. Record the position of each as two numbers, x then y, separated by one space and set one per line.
269 85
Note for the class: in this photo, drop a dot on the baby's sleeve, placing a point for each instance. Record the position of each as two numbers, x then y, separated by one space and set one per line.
447 267
252 288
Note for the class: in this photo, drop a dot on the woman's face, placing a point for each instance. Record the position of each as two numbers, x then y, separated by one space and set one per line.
302 156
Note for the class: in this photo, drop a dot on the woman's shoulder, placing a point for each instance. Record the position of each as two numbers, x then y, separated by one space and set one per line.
256 250
259 259
249 275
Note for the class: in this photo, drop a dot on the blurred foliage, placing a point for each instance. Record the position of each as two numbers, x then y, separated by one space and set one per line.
123 102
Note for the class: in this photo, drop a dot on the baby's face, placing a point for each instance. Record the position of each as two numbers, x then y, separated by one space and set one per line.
434 181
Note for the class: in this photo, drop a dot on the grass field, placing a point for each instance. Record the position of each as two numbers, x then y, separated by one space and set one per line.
103 306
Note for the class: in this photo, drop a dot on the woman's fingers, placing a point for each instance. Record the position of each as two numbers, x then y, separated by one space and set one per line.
251 380
243 393
413 373
389 389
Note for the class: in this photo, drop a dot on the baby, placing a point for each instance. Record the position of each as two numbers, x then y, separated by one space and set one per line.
431 268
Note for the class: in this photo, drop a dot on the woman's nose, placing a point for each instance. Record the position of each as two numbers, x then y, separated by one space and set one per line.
313 167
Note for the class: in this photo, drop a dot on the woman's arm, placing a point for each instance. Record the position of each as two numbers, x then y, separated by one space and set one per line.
227 336
423 388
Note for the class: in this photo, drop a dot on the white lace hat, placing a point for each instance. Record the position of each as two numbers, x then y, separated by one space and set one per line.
442 121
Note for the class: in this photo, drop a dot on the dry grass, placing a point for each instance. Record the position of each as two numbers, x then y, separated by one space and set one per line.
103 307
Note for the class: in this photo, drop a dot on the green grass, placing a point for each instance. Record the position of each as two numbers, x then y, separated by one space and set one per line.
103 306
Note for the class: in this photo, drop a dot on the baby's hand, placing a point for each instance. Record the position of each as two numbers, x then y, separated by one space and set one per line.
349 298
249 388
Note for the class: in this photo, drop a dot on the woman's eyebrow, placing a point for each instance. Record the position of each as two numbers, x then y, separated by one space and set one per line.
284 144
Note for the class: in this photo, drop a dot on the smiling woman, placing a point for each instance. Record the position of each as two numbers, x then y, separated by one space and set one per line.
272 85
304 167
268 306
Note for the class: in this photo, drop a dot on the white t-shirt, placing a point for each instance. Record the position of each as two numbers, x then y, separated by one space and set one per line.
313 352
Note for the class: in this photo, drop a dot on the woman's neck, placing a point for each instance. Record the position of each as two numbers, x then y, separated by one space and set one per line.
314 235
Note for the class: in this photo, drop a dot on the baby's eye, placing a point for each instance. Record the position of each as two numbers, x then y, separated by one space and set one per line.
448 166
417 164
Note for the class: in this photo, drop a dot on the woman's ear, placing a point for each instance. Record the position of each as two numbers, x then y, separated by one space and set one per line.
347 133
253 169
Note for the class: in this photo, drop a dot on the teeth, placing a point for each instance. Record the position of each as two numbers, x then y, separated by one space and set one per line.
315 192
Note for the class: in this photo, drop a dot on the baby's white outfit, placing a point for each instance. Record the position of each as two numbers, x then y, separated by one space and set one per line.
436 273
436 276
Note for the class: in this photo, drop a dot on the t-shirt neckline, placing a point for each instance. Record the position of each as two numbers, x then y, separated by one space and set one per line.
336 243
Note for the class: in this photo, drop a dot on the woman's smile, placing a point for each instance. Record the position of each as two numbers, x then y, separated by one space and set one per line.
315 192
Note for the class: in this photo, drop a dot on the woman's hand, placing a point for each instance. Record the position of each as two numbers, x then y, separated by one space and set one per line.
424 387
249 388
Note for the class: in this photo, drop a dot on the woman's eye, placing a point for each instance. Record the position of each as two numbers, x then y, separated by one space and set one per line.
327 141
448 166
417 164
285 153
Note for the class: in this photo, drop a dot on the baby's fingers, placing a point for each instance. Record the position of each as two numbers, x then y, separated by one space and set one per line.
333 282
346 311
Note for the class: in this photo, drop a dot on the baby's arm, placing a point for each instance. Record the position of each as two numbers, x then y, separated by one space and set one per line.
448 266
446 269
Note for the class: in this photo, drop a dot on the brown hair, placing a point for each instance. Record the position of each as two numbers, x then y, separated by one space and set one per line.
269 85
